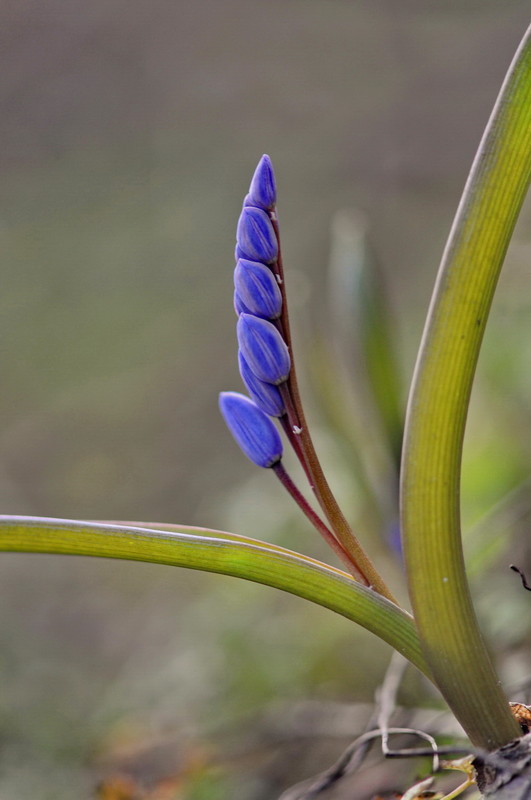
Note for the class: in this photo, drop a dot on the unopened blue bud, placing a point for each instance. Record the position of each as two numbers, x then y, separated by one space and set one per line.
266 396
248 201
263 348
239 305
257 288
255 236
263 190
251 428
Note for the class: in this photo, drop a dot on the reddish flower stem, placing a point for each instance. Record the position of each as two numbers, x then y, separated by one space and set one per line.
305 451
316 521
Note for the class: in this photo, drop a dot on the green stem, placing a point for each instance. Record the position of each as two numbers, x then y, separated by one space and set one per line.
224 553
438 405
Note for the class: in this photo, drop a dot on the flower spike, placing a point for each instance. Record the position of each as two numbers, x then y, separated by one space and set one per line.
266 369
263 348
255 236
251 428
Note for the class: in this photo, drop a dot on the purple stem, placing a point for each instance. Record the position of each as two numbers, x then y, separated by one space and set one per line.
360 563
316 521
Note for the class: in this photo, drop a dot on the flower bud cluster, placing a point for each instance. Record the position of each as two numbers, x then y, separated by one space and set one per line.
263 356
265 367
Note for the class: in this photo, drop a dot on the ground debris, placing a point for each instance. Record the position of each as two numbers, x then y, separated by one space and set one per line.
506 773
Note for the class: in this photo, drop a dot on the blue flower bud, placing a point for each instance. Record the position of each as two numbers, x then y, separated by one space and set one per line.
255 236
263 190
248 201
263 348
266 396
251 428
257 288
239 305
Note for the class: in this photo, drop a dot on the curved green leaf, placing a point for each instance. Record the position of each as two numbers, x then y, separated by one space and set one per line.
228 554
438 405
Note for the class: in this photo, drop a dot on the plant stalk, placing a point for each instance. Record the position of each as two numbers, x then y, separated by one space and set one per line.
328 536
306 452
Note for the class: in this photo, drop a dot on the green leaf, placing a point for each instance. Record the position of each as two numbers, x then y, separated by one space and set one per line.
364 324
225 553
438 406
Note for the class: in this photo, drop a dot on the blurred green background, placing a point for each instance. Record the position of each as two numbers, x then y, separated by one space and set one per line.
129 132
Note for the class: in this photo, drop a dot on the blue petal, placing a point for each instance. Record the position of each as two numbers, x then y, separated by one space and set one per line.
239 305
248 201
255 236
257 288
263 190
266 396
263 348
252 429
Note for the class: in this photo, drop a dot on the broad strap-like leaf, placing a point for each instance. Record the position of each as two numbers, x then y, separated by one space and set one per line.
228 554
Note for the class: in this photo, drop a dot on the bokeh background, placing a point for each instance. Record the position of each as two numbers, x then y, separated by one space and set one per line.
129 132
